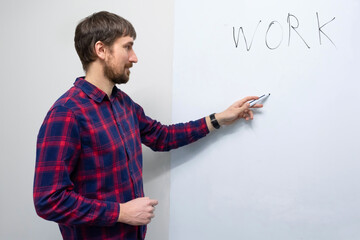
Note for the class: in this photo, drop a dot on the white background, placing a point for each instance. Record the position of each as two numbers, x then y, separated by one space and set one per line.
293 172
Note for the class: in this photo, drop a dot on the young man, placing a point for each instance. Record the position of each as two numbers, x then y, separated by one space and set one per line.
88 174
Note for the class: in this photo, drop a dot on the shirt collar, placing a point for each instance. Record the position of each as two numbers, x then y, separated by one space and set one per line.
91 90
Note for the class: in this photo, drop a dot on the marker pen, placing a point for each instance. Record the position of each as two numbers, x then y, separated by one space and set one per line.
253 102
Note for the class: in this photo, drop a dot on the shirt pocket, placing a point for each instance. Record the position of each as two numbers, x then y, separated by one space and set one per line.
104 145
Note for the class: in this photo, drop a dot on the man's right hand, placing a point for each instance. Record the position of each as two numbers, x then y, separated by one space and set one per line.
138 211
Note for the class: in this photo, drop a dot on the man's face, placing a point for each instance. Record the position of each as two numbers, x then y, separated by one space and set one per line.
120 60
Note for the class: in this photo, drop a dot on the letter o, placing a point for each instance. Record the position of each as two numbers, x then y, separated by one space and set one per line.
266 38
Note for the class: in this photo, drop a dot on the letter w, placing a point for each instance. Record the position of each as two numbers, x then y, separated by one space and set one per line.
236 38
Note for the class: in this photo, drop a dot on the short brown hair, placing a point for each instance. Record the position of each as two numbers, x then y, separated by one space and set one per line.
101 26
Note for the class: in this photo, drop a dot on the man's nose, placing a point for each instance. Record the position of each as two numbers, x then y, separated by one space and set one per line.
133 58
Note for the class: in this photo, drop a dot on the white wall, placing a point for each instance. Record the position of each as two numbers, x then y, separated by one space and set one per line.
293 172
39 63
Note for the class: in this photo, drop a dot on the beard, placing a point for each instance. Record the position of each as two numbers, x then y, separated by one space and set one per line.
118 78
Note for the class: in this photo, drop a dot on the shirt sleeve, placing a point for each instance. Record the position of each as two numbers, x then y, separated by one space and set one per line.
161 137
58 150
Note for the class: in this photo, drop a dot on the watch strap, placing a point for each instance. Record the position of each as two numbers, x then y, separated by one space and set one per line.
214 122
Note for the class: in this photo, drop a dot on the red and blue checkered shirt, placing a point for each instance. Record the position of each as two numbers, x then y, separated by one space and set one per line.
89 159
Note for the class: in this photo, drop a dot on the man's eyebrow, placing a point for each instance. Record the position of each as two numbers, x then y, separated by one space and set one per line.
130 42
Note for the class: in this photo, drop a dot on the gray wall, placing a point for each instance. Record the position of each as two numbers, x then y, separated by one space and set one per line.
39 63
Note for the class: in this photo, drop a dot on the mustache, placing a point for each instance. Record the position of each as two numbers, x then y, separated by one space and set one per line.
129 65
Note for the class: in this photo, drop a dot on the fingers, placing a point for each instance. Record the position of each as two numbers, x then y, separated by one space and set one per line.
244 105
152 205
239 109
242 102
251 115
138 211
246 99
247 114
153 202
257 106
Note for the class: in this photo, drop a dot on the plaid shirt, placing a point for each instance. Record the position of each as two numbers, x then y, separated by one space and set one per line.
89 159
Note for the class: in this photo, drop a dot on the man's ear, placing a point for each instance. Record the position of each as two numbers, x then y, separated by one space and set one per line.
100 50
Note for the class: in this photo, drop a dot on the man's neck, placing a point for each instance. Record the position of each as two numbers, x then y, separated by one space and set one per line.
95 76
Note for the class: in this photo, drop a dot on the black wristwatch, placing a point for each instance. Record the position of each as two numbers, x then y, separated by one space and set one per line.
214 122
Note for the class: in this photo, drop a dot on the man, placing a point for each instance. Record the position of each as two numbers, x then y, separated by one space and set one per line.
88 174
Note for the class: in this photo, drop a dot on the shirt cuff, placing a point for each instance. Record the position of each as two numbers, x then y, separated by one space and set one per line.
114 213
106 213
203 126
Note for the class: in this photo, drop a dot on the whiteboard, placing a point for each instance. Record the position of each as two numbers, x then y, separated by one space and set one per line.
293 172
